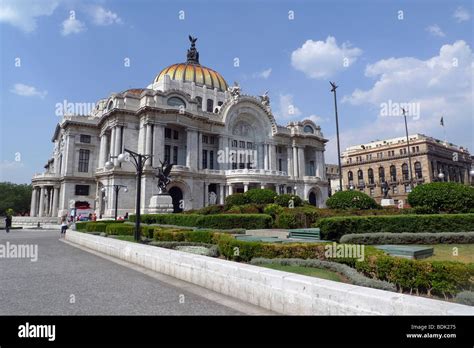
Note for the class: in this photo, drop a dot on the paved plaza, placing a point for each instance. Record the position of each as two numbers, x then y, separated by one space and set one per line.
66 280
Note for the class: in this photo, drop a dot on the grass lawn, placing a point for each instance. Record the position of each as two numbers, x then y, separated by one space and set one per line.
307 271
444 252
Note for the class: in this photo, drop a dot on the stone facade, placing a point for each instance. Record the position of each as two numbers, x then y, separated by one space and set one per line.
220 141
366 166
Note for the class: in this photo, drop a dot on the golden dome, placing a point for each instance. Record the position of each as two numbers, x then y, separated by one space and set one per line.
192 72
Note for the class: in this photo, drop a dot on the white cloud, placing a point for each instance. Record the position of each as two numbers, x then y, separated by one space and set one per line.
316 119
435 30
323 59
102 16
287 108
23 14
442 85
72 26
27 91
461 14
265 74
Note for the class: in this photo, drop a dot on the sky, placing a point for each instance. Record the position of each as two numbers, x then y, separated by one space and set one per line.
383 55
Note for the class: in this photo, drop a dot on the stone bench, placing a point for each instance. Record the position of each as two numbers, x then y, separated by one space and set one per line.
407 251
305 233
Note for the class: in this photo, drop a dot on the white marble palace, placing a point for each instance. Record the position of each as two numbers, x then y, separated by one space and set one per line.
220 142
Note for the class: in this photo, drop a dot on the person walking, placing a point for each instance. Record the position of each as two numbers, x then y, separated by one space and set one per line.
8 223
64 226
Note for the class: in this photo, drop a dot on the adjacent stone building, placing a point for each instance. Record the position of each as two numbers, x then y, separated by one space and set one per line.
220 142
366 166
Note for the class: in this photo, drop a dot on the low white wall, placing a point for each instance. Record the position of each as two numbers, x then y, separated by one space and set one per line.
278 291
46 222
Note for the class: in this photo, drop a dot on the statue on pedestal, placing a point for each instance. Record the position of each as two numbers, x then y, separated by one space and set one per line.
163 176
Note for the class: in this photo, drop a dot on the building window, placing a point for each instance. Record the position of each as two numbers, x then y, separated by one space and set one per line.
234 143
417 149
175 155
175 134
407 188
83 161
211 159
418 171
280 164
175 101
241 161
242 144
350 177
204 159
82 190
249 145
212 140
405 171
199 100
85 139
312 171
167 154
210 105
372 191
168 133
393 173
360 177
381 175
308 129
205 139
395 189
370 175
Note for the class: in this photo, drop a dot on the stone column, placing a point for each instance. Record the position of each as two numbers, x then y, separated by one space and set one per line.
199 150
295 162
41 202
223 164
272 155
317 162
55 202
206 194
246 186
102 151
158 144
50 200
265 156
148 143
112 143
118 144
230 189
289 160
191 146
262 186
221 194
33 202
301 163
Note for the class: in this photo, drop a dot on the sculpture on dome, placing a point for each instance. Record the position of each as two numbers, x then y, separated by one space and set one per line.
265 99
193 54
235 91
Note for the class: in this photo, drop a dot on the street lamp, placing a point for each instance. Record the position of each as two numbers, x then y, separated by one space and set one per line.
408 146
116 190
441 176
333 89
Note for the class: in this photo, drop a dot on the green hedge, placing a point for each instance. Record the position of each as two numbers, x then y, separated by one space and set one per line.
449 197
96 226
409 238
90 226
120 229
235 199
260 196
165 235
335 227
351 199
219 221
285 199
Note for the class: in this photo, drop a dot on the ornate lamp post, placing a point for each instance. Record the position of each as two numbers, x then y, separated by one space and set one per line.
333 89
116 190
408 147
139 161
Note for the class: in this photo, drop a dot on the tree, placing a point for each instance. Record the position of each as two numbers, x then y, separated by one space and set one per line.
16 197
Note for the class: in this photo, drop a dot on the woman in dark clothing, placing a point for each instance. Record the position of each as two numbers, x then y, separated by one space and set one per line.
8 223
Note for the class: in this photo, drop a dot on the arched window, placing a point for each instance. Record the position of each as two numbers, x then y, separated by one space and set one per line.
360 177
210 105
110 105
370 175
175 101
405 173
393 173
418 171
381 174
308 129
350 177
199 100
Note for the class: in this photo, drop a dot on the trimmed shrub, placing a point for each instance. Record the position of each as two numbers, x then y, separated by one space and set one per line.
260 196
229 221
284 200
355 277
351 199
96 226
120 229
81 226
212 209
235 209
290 218
465 297
272 209
335 227
448 197
409 238
183 236
250 209
235 199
